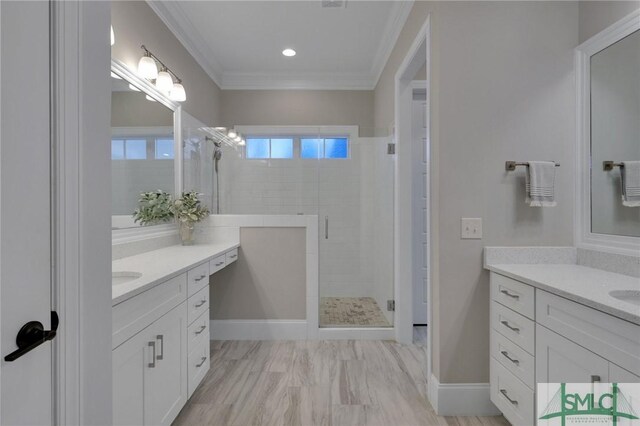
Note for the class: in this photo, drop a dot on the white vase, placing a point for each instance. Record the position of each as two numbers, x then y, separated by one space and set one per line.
186 233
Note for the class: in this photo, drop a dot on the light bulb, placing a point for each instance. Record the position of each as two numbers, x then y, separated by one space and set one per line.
164 82
177 92
242 142
289 52
238 139
147 68
232 133
113 36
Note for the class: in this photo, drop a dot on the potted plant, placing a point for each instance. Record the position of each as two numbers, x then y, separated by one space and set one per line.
188 211
154 208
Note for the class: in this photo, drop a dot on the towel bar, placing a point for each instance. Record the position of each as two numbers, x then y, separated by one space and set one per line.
609 165
511 165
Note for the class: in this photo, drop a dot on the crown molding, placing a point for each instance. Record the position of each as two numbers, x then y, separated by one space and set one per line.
171 13
393 28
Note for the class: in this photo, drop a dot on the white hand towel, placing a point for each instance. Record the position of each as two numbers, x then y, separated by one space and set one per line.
540 184
630 179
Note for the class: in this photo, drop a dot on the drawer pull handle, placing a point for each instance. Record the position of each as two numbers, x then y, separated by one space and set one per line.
202 302
506 355
204 359
233 256
504 392
513 296
161 338
220 263
202 328
152 364
595 379
506 324
202 277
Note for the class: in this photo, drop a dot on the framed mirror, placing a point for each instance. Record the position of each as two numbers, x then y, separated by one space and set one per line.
608 76
145 149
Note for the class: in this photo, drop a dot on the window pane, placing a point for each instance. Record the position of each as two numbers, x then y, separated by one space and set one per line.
257 148
164 149
117 149
281 148
336 148
311 148
136 149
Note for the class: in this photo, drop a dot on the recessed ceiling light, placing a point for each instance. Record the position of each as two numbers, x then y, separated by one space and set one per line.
289 52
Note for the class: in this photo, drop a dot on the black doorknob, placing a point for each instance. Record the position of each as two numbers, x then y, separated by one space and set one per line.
32 335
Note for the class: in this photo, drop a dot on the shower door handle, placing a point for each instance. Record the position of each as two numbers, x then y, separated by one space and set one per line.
326 227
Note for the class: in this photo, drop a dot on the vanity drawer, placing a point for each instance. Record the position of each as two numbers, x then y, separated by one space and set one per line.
216 264
231 256
135 314
197 304
612 338
514 326
513 358
198 277
198 365
511 396
197 330
513 294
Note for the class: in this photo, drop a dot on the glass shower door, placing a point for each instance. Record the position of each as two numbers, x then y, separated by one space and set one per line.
355 214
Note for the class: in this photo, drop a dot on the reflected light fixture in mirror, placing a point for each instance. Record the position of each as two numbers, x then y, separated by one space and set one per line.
177 92
232 134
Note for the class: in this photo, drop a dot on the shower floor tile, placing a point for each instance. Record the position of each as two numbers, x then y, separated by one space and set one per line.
351 312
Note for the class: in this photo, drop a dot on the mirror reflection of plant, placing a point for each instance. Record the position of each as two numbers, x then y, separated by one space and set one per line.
188 208
154 207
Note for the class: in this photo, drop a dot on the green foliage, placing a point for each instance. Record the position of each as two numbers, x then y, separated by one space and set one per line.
188 208
154 208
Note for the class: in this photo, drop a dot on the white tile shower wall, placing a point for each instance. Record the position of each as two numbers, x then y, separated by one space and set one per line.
131 177
356 195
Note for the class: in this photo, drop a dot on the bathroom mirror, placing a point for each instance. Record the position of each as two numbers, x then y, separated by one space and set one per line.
608 70
144 156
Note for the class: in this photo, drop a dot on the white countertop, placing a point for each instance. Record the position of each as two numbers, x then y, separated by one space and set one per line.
581 284
160 265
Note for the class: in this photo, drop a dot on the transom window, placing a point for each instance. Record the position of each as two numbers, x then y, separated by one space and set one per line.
142 148
282 147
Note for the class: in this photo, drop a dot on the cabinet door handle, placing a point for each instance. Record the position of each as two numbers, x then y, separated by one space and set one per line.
202 302
595 379
513 296
504 392
204 359
506 324
506 355
202 328
152 364
161 338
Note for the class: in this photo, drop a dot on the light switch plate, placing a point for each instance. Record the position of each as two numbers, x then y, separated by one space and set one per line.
471 228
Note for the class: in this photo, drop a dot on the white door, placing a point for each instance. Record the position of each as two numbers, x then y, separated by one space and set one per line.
419 205
25 229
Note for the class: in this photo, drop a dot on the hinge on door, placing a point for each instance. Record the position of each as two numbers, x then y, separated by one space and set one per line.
391 148
391 305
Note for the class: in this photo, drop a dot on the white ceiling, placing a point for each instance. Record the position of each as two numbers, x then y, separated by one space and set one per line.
239 43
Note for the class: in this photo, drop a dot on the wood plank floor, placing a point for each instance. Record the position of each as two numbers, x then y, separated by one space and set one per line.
339 383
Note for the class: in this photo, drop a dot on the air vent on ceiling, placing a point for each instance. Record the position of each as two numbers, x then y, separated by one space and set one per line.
334 3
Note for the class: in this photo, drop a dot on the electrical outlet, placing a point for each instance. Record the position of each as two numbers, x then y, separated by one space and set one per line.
471 228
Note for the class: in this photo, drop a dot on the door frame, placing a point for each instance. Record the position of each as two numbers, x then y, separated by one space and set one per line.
81 219
418 55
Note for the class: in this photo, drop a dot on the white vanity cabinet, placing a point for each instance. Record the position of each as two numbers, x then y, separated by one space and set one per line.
161 346
539 337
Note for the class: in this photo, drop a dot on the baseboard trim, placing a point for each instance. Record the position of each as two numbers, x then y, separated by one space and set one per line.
461 399
258 329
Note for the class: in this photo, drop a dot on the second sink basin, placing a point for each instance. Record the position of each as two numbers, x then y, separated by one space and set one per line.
119 278
629 296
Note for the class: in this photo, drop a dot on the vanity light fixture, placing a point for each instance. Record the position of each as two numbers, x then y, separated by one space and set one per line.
238 139
232 134
288 52
221 129
164 80
242 142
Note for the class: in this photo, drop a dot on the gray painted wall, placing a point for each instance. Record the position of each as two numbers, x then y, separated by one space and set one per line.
503 89
595 16
268 281
134 24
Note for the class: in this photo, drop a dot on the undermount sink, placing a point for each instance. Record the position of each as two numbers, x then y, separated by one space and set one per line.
629 296
119 278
